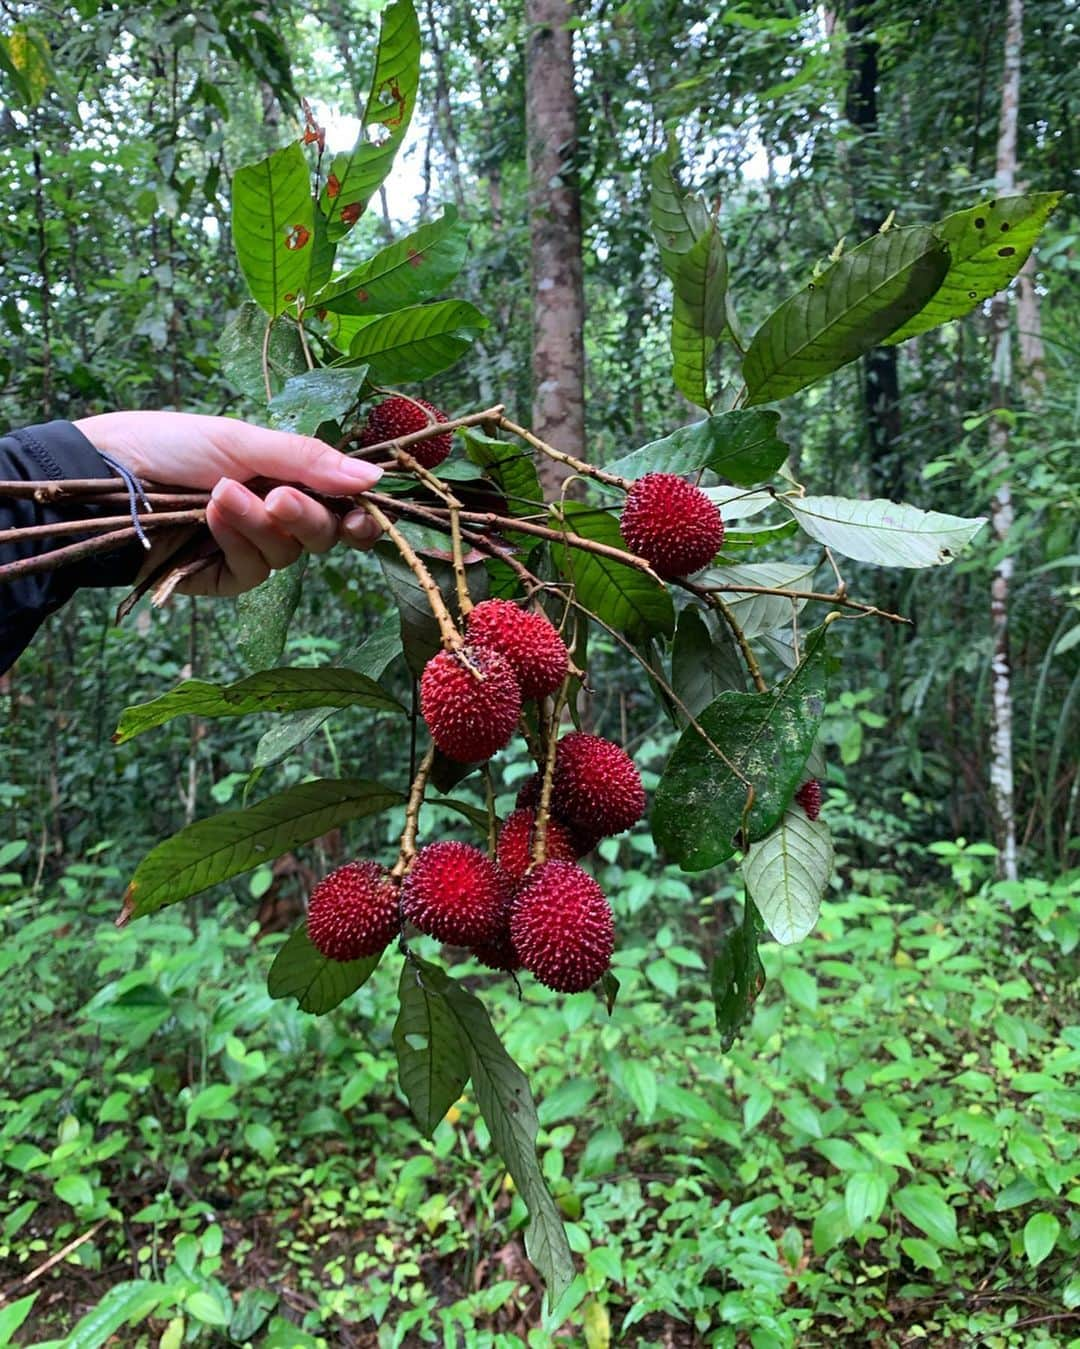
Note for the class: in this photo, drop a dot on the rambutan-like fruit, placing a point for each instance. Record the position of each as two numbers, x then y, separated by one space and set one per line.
499 953
398 416
562 928
527 639
471 701
597 789
672 524
516 839
809 797
353 912
455 892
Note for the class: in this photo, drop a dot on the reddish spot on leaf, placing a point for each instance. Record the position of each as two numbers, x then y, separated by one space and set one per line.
351 214
390 92
290 296
321 313
415 257
333 186
314 134
296 236
362 296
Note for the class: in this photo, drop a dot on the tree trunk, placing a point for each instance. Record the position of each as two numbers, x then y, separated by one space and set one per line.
1001 507
881 381
558 347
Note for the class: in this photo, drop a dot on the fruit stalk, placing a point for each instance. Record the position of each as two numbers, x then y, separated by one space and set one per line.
412 816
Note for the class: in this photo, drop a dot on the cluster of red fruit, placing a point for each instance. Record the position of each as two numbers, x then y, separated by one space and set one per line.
519 910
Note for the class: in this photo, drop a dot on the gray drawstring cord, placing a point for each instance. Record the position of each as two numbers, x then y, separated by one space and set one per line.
136 496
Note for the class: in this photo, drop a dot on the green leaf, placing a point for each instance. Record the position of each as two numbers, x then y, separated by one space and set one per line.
287 689
510 468
787 874
700 801
372 658
432 1062
698 314
737 977
241 349
420 637
506 1103
414 343
886 533
317 983
356 176
75 1190
626 599
988 244
26 60
756 613
678 219
13 1315
742 446
830 1227
416 268
233 842
922 1252
251 1312
264 615
123 1304
851 307
314 397
273 219
705 661
864 1198
926 1207
1041 1232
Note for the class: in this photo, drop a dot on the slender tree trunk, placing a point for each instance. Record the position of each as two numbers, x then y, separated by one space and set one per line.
1001 508
558 356
444 112
881 380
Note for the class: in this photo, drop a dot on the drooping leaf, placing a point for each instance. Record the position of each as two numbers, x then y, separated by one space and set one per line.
264 615
125 1304
233 842
314 397
855 303
273 219
288 689
765 737
678 218
412 344
988 244
506 1103
886 533
371 658
929 1210
318 984
757 613
433 1065
356 176
737 978
626 599
698 315
742 446
416 268
787 874
241 349
705 661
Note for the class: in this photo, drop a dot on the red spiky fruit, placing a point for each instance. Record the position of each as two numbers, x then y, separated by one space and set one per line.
597 790
398 416
809 797
562 927
516 839
455 892
471 701
527 639
499 953
353 912
672 524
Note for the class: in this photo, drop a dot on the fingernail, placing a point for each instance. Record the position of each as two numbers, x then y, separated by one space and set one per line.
230 497
359 474
359 524
286 509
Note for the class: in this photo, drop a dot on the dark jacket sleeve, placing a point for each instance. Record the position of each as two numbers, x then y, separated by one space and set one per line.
56 450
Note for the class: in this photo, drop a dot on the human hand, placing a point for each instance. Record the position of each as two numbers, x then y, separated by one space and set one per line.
256 535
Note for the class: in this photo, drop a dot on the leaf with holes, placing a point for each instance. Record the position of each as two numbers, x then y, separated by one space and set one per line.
414 269
765 739
287 689
506 1103
854 304
886 533
433 1065
314 397
318 984
273 218
787 874
356 176
742 446
626 599
233 842
988 244
412 344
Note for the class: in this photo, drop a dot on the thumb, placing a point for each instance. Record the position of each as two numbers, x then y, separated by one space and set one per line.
305 460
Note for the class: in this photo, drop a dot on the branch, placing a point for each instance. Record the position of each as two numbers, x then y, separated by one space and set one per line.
451 638
491 414
97 525
578 465
412 816
61 557
743 645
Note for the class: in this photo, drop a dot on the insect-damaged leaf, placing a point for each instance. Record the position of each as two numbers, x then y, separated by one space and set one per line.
273 219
